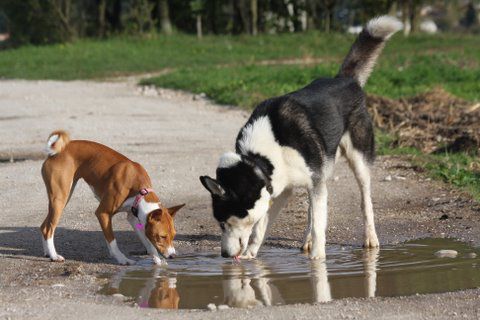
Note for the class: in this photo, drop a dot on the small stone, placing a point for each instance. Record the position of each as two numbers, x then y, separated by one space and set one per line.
223 307
58 285
400 178
211 307
388 178
446 254
118 296
336 178
471 255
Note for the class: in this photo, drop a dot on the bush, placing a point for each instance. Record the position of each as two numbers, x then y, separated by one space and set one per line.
33 21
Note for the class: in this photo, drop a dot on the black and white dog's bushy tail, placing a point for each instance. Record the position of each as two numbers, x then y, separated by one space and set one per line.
361 59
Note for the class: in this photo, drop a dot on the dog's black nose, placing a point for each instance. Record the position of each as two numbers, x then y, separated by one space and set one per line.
173 255
225 254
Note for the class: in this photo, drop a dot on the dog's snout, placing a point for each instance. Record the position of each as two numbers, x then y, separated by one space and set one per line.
173 255
225 254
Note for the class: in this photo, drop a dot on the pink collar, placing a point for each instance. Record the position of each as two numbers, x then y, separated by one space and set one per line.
142 193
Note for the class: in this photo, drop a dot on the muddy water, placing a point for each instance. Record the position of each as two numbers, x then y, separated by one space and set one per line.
284 276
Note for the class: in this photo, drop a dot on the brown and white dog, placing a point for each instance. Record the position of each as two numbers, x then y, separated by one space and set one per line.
120 185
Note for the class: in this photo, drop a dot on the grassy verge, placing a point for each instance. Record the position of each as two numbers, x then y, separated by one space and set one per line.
461 170
230 71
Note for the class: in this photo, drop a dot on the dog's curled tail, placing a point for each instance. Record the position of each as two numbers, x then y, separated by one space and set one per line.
57 141
365 50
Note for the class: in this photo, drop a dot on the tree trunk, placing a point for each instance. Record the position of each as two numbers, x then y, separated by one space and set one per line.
164 14
102 5
413 15
406 26
199 26
254 11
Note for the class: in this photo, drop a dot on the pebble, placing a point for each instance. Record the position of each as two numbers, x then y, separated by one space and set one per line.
211 307
471 255
388 178
400 178
223 307
336 178
58 285
446 254
118 296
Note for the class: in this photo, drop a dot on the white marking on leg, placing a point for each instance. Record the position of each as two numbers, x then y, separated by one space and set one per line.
51 252
307 237
152 251
117 254
318 200
361 170
261 228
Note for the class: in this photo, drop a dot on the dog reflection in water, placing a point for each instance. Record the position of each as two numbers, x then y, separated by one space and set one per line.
155 292
251 287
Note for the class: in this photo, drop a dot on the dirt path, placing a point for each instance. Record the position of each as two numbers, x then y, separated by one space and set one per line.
177 139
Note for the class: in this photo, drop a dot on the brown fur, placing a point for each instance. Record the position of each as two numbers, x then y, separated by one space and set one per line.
164 297
111 175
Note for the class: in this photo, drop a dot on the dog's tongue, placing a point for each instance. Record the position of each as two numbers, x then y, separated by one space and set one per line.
236 259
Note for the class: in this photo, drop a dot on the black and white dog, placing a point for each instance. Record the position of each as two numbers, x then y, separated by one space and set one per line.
294 140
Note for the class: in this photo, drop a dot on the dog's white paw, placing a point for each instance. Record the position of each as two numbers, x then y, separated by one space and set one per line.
57 258
307 244
124 261
371 240
317 253
159 261
247 256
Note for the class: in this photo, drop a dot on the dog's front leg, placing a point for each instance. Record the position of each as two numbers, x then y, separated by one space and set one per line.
151 250
318 201
261 227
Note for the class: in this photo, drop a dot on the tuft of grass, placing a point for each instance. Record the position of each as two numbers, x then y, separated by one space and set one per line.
459 169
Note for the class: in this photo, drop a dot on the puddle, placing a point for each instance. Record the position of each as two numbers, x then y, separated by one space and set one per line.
284 276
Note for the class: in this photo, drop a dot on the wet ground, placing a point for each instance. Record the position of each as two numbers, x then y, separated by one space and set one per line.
283 276
177 138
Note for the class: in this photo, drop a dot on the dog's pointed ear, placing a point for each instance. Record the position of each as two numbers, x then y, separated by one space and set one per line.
212 186
155 215
173 210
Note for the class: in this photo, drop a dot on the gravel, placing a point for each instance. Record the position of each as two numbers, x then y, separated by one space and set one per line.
177 139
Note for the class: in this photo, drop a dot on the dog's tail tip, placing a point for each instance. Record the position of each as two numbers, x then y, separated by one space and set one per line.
383 26
359 62
57 141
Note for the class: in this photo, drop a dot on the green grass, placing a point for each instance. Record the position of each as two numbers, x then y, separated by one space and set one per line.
461 170
408 67
228 70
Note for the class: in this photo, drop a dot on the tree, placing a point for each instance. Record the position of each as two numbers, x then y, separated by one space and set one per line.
164 14
254 13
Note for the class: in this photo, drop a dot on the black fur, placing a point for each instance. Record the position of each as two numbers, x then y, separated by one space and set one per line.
242 188
313 119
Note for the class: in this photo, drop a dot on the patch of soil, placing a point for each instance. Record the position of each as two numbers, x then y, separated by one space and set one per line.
434 121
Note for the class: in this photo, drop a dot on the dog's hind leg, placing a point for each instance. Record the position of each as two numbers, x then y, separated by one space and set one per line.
261 227
359 165
58 189
318 196
307 237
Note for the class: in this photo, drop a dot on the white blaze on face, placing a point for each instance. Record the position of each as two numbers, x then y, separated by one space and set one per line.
237 231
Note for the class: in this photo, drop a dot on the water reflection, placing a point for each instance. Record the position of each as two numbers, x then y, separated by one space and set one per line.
283 276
